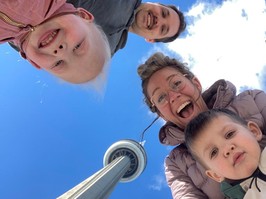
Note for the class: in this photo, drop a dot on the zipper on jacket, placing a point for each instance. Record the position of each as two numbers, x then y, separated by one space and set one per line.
12 22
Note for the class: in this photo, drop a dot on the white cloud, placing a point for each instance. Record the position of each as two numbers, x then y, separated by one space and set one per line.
159 181
225 41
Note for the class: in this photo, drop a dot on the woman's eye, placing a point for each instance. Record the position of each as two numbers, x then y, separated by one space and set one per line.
177 83
161 98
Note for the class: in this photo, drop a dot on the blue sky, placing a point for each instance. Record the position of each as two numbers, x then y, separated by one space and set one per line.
53 135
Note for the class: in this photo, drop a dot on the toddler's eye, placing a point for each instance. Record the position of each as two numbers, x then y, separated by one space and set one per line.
213 153
229 134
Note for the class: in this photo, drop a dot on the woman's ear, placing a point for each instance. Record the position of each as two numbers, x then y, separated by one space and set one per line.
85 14
197 83
211 174
255 130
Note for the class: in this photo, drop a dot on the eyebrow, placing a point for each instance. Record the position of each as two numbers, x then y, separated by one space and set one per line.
167 79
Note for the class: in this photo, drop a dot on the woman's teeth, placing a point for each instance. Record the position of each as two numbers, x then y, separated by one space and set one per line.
182 106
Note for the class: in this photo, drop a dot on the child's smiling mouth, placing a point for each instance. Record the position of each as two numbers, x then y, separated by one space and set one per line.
47 38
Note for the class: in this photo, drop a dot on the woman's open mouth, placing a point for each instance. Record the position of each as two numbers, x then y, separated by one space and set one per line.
185 110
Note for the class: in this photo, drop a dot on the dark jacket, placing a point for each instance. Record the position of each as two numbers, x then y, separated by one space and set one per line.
18 18
114 16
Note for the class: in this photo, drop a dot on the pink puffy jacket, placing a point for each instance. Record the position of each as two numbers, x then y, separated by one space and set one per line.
19 17
184 175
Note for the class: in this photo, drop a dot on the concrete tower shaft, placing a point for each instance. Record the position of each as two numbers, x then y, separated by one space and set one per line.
124 161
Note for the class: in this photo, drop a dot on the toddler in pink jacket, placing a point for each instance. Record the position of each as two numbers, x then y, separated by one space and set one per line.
55 36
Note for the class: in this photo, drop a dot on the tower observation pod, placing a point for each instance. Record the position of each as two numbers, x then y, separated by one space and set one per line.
123 161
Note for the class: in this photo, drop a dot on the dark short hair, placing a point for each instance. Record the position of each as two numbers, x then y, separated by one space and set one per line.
182 25
197 125
155 63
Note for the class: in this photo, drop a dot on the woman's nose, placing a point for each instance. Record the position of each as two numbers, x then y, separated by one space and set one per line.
173 95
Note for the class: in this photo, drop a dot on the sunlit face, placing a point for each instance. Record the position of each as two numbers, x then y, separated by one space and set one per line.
69 46
183 104
229 149
154 21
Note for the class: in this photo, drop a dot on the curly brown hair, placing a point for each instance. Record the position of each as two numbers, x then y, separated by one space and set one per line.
155 63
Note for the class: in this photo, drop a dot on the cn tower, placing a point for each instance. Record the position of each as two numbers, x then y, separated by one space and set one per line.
123 161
